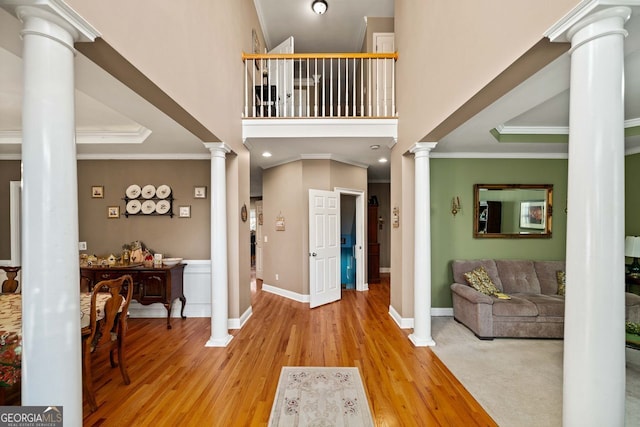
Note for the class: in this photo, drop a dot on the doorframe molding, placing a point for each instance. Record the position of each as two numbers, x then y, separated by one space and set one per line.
360 251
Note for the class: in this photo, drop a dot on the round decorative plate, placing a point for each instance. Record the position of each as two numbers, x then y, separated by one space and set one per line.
133 191
162 207
133 206
163 191
148 206
148 191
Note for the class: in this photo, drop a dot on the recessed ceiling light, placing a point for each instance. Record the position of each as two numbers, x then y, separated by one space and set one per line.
266 154
374 146
382 160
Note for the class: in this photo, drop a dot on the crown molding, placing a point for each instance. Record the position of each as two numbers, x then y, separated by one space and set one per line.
137 136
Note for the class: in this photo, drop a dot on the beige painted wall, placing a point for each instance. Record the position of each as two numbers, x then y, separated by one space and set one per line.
179 237
286 192
376 25
452 56
191 51
9 171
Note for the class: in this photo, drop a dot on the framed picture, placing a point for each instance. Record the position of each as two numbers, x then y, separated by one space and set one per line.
113 212
184 212
97 191
200 192
533 214
280 223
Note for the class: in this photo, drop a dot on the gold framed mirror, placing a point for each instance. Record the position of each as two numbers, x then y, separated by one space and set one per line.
512 210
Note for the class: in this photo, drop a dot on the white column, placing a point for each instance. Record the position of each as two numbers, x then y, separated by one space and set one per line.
421 336
594 358
220 336
51 362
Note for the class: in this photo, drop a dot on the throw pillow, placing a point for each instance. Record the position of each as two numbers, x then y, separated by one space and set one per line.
561 277
480 281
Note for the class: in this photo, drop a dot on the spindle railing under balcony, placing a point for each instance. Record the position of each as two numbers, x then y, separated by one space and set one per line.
319 85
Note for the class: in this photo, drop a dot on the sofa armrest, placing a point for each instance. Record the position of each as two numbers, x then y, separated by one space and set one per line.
470 294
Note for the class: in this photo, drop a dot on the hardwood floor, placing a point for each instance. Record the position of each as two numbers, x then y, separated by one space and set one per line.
176 380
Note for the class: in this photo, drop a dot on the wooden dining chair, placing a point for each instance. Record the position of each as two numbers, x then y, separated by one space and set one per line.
11 284
110 331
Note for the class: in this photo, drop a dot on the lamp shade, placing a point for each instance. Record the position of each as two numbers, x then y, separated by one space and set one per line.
632 246
319 6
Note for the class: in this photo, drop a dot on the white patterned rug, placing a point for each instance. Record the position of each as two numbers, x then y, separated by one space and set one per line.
319 397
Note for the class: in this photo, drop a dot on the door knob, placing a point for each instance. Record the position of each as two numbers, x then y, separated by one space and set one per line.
313 254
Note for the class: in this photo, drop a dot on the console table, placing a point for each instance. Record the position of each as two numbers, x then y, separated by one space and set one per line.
150 284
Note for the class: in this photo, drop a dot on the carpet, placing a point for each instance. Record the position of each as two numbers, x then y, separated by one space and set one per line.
318 396
518 381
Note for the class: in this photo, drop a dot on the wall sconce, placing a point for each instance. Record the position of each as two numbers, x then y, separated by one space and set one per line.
396 217
380 222
455 206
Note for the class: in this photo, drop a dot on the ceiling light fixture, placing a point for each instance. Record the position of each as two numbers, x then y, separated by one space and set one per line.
266 154
382 160
374 146
319 6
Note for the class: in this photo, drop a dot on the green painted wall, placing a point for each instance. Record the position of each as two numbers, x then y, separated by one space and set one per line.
452 237
632 195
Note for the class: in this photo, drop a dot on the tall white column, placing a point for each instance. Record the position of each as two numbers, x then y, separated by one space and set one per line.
220 336
51 362
594 358
421 336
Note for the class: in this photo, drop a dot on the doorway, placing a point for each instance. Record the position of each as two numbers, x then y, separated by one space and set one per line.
347 241
324 254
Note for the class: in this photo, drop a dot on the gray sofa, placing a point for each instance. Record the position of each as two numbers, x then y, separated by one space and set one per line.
535 309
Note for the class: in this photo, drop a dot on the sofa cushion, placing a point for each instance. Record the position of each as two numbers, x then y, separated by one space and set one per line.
518 276
546 272
459 267
561 275
547 305
514 307
480 281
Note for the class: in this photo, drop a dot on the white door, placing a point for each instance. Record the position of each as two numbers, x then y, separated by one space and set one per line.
383 72
281 76
259 238
324 247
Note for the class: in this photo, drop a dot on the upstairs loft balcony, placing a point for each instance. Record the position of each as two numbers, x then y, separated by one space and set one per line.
321 85
320 106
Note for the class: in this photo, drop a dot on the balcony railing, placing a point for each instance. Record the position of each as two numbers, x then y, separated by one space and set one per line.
320 85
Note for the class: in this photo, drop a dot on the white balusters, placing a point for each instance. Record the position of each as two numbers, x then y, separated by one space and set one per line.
299 85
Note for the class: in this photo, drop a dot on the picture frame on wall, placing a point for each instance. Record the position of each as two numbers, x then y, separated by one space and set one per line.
113 212
184 211
200 192
97 191
533 214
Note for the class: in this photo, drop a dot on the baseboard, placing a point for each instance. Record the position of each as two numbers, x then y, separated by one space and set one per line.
285 293
239 323
442 311
407 322
403 323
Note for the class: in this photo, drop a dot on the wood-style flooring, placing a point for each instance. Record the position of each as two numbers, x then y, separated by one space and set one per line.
177 381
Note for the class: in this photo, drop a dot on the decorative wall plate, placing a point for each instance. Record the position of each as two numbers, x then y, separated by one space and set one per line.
148 191
148 206
163 191
133 206
133 191
162 207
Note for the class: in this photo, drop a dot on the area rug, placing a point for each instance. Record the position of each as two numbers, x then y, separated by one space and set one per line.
319 396
518 381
